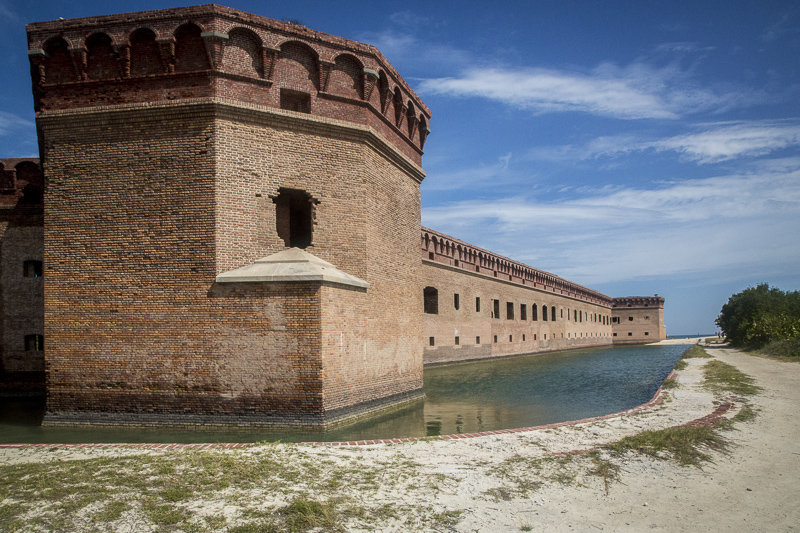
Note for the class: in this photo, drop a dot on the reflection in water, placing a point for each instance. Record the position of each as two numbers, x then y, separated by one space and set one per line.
464 398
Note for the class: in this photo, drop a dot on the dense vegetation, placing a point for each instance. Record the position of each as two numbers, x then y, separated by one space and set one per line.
764 318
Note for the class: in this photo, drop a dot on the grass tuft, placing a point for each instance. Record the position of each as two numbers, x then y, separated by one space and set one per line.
694 352
604 469
722 377
303 514
684 444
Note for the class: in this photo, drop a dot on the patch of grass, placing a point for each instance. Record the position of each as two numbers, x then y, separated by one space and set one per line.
500 494
669 383
164 513
113 511
525 527
745 414
256 527
176 493
684 444
303 514
448 518
695 351
681 364
604 469
215 522
723 377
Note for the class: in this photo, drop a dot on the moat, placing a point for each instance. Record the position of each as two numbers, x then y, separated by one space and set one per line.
463 398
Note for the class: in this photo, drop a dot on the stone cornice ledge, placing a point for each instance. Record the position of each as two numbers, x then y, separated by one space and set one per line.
293 264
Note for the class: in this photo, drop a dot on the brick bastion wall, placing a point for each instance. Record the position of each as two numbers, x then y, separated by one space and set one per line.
180 145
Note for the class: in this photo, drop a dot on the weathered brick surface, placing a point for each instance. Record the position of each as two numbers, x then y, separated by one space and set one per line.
21 293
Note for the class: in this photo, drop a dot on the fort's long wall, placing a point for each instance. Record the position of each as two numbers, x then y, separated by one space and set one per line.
481 305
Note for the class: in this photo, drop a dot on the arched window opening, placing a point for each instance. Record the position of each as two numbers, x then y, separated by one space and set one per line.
534 312
58 65
295 216
553 313
431 298
145 57
190 50
101 62
544 313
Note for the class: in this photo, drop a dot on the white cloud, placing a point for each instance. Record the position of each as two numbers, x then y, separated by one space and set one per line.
544 91
732 140
634 92
11 124
718 142
741 224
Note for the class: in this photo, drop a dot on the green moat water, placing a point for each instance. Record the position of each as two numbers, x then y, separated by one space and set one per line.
464 398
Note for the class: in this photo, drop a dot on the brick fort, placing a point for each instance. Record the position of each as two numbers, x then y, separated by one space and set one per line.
224 228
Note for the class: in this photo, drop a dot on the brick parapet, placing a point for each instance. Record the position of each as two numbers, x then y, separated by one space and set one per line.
441 248
137 57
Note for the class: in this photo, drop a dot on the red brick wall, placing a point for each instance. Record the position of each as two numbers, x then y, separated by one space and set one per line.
21 296
514 336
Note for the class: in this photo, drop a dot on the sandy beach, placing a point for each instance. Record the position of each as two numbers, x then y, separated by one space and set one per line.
542 480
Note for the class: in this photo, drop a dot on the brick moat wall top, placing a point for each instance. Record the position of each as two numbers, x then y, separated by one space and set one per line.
211 51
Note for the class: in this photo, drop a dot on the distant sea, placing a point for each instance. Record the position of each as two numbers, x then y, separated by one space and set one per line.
693 335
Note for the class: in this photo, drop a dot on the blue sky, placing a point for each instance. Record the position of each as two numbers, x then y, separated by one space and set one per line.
633 147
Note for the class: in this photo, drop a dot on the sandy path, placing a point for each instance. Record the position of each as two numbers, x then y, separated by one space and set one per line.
754 488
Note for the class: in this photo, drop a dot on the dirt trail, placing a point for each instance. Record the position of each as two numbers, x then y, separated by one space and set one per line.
756 487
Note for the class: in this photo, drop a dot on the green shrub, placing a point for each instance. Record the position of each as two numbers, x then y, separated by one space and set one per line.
757 316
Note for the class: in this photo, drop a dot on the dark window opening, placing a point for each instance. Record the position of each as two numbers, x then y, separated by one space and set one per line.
647 333
477 304
34 343
294 217
615 334
431 341
647 318
32 269
509 310
630 319
477 340
457 341
496 308
562 313
553 313
534 336
456 301
523 312
523 337
534 312
431 297
544 313
630 334
431 256
511 338
295 101
495 338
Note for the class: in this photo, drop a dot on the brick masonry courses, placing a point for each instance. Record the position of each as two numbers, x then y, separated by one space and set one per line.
167 138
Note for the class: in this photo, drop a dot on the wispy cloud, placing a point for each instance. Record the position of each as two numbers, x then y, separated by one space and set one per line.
723 142
744 223
637 91
710 143
11 124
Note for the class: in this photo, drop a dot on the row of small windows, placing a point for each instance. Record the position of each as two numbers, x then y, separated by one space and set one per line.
457 341
431 306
